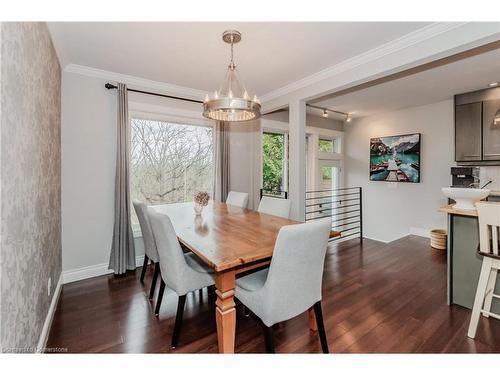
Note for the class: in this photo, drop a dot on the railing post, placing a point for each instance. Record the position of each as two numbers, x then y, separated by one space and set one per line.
361 214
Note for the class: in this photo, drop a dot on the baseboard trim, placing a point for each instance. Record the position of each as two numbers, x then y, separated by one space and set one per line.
414 231
422 232
387 241
44 335
88 272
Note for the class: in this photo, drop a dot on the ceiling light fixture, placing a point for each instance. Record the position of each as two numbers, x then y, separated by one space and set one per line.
493 84
348 117
231 102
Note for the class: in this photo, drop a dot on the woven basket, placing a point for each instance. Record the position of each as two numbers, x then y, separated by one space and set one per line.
438 239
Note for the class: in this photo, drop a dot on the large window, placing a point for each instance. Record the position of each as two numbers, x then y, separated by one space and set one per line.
169 161
275 166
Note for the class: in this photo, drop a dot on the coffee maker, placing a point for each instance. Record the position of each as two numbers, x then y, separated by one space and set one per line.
465 177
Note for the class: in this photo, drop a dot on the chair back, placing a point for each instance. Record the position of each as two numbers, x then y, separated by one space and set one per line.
169 250
295 275
147 234
275 206
235 198
489 226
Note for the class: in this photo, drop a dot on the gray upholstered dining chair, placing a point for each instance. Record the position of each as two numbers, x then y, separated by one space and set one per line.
275 206
150 251
235 198
185 272
292 283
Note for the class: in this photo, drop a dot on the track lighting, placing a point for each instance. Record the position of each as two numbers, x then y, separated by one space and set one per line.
326 110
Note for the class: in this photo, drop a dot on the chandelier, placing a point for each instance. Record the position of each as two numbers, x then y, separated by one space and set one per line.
232 101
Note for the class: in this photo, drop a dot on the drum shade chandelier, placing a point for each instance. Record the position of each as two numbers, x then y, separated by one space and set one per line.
231 102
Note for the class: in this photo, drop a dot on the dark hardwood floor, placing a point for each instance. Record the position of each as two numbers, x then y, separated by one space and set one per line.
377 298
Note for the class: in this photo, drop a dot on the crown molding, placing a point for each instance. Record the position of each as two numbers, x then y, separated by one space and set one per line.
137 82
394 46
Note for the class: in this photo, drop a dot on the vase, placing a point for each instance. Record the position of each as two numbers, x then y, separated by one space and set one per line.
198 208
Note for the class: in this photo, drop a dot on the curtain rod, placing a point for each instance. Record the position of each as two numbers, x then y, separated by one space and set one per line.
110 86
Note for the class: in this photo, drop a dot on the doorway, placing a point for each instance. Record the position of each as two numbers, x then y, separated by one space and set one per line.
329 174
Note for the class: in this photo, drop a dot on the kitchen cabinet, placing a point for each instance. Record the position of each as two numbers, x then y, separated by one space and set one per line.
477 134
468 132
491 130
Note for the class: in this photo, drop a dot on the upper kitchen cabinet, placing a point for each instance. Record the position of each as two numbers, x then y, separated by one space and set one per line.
491 130
477 127
468 132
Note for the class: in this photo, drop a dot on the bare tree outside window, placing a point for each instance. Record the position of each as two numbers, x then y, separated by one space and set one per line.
170 162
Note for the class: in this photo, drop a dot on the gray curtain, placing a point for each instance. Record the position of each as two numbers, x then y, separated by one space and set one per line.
221 181
122 256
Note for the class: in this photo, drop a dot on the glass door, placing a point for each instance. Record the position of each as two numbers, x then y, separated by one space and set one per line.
328 174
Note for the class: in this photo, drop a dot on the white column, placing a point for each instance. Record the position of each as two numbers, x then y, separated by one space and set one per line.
297 158
312 162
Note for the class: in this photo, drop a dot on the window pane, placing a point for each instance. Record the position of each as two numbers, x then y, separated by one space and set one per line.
274 163
326 145
326 178
170 162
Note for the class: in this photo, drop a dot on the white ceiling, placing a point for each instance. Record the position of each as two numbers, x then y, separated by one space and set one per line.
427 87
271 55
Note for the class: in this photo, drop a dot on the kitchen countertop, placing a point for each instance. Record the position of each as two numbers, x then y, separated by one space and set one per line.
450 210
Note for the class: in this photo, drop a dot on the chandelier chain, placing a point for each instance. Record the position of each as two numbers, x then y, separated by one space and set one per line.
232 43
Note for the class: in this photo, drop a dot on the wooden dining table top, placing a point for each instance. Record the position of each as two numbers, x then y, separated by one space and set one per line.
225 236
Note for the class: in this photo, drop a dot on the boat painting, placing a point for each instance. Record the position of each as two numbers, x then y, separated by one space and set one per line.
395 158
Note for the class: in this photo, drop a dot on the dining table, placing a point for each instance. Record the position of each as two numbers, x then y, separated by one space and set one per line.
230 240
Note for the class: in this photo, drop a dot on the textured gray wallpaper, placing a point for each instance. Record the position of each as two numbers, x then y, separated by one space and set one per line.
30 168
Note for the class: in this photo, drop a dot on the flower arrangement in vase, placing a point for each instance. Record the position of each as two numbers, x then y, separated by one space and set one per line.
200 200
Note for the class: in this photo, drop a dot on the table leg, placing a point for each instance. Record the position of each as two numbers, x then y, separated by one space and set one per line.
225 312
312 320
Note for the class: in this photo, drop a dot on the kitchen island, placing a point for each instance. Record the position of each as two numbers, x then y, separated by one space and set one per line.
464 263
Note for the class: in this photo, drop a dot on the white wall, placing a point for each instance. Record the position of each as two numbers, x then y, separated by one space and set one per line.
88 138
311 120
392 210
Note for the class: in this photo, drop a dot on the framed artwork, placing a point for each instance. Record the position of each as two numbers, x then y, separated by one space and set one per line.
395 158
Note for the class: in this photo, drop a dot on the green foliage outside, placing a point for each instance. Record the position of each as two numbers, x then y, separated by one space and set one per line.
326 173
326 145
273 153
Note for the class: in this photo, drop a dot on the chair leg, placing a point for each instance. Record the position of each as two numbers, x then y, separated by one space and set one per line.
321 327
160 297
212 296
178 320
269 338
490 289
479 299
144 266
211 290
246 311
153 282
